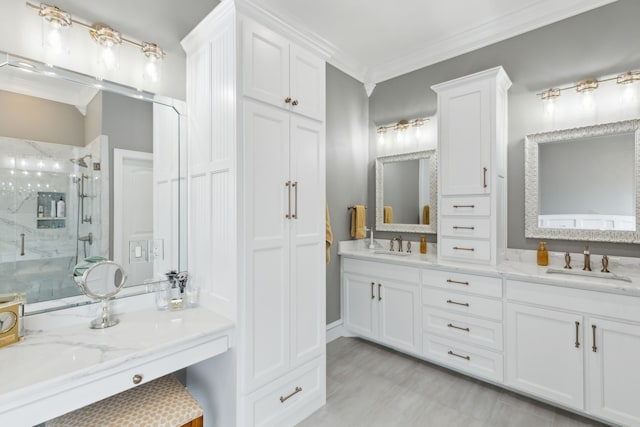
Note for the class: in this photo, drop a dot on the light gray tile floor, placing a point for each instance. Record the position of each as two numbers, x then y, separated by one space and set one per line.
370 385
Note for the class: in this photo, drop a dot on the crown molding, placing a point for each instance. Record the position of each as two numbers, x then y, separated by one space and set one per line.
507 26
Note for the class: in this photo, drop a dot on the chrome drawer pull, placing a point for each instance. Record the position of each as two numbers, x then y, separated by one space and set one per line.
457 248
283 398
458 355
457 227
464 206
459 283
466 304
450 325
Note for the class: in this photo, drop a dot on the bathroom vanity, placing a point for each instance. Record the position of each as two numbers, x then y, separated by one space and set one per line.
63 365
565 339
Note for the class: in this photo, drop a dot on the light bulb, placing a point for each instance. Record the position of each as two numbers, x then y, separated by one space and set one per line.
152 70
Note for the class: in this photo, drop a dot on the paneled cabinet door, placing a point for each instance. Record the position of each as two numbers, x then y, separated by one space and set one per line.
308 325
613 349
398 306
545 354
307 84
265 198
465 139
360 305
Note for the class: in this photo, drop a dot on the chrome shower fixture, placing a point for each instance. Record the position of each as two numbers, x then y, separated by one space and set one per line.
80 161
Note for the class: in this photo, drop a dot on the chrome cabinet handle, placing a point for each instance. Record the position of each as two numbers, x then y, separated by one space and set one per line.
451 325
21 244
595 347
372 286
456 227
464 206
288 185
285 398
379 292
457 248
484 177
457 282
137 379
295 188
294 102
465 304
287 100
577 331
458 355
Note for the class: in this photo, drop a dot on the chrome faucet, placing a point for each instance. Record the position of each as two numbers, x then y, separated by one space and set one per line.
399 239
587 259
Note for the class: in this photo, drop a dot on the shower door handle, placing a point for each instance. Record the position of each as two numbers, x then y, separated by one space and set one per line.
21 244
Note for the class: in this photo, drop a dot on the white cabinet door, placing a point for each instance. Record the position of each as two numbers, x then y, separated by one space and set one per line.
398 306
465 138
612 369
307 85
360 305
308 325
266 170
265 64
545 354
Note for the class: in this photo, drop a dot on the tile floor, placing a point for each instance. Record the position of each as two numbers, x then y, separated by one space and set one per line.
370 385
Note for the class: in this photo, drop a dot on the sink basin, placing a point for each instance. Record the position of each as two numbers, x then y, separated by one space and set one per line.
595 274
391 253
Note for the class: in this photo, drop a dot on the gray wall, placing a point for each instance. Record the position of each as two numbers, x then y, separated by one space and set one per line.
57 122
596 43
595 176
347 167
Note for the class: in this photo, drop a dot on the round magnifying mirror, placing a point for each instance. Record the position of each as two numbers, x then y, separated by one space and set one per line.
102 281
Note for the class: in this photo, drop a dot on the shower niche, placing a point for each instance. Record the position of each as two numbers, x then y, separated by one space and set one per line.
49 214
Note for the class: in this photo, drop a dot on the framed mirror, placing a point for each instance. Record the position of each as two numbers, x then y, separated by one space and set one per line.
583 183
406 195
89 171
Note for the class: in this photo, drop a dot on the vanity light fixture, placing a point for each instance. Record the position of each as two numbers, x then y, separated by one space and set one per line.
403 125
590 84
56 20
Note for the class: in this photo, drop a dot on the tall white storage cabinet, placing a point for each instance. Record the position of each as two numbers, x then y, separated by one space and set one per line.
472 151
256 107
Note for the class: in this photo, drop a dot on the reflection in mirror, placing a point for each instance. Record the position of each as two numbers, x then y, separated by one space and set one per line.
581 184
406 198
88 172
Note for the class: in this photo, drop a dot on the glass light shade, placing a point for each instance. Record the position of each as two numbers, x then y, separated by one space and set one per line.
55 38
108 58
152 69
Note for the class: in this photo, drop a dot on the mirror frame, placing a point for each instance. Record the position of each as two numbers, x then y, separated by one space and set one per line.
531 142
33 66
433 192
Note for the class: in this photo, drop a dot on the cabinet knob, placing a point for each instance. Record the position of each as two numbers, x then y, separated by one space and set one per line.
294 102
287 100
137 379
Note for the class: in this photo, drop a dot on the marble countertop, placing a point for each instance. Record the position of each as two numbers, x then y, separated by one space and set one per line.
48 360
517 265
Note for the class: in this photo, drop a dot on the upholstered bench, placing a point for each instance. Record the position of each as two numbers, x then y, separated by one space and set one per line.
162 402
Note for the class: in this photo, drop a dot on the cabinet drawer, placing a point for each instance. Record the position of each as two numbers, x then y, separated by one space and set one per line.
481 285
466 329
465 249
462 303
467 358
283 401
472 205
376 270
479 228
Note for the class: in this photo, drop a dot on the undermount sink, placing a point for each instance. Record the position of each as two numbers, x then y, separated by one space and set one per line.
583 273
380 252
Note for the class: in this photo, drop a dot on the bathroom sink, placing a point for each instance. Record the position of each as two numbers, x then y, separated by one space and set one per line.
595 274
379 252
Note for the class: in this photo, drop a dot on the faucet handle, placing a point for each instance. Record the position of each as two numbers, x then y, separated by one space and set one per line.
567 260
391 244
408 246
605 264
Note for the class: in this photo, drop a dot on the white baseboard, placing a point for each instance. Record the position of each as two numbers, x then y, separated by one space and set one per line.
335 330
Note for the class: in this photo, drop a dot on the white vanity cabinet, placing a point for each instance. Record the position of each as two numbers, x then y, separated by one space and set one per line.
257 205
472 142
462 322
552 332
280 73
382 302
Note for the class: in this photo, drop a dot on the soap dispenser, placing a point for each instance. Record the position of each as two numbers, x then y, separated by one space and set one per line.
543 255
